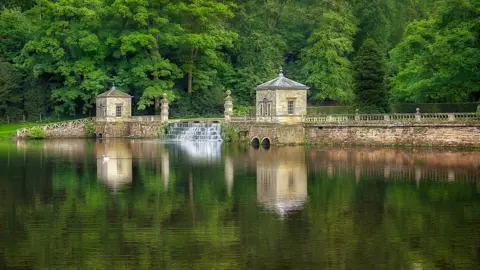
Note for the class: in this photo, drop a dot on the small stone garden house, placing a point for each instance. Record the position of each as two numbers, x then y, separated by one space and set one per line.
281 100
113 105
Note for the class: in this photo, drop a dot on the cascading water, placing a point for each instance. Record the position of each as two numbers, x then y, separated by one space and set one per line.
194 132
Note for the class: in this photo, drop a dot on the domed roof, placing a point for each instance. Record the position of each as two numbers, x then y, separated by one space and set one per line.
281 83
113 92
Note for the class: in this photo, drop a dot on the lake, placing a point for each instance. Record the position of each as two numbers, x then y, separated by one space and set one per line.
144 204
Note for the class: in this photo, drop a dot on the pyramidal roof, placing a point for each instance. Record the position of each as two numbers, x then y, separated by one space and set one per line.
113 92
281 83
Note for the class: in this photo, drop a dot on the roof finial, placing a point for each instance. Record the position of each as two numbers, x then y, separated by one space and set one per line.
281 72
113 86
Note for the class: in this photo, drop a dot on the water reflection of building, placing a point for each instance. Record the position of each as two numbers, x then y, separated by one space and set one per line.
114 163
281 178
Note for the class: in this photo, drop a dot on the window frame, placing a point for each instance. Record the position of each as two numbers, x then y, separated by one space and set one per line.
292 103
117 107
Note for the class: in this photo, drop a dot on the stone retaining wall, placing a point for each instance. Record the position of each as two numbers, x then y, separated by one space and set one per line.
138 129
146 129
72 131
413 134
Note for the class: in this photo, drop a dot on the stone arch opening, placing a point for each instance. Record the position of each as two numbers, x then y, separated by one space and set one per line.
99 136
255 142
265 142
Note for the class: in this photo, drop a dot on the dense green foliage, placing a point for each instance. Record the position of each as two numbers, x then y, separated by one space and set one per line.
36 133
439 58
369 73
56 56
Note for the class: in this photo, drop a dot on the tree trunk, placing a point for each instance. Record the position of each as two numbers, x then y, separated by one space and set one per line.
157 105
157 98
190 69
190 78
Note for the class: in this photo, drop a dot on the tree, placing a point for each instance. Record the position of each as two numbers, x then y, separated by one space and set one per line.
325 60
67 48
10 96
136 30
439 58
369 68
199 30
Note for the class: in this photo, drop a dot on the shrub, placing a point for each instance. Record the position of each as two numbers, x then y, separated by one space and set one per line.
89 129
162 131
230 133
36 133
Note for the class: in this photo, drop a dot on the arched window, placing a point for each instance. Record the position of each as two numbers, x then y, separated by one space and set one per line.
261 108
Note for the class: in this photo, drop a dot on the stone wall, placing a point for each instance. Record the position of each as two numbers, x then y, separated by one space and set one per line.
276 133
137 129
106 108
299 98
279 102
109 129
71 131
146 129
415 135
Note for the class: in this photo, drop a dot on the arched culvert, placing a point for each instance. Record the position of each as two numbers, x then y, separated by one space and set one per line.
100 136
255 142
265 142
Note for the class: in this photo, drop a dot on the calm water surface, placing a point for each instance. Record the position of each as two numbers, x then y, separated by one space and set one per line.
209 206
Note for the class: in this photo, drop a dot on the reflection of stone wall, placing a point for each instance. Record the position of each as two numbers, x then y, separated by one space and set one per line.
401 164
71 148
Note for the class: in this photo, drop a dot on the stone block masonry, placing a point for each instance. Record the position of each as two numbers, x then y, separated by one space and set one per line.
411 135
136 129
463 135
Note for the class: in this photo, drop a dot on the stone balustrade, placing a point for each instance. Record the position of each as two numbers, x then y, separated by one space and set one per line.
391 118
147 118
64 125
362 118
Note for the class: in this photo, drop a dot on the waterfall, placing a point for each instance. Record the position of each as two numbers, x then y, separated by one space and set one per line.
194 132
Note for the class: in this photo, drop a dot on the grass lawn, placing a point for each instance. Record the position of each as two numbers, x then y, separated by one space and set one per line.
7 131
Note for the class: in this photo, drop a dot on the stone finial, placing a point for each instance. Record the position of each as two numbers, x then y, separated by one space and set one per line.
281 72
418 117
228 97
113 86
164 95
357 111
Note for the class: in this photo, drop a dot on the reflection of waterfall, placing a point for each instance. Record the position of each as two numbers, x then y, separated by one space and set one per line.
209 152
194 132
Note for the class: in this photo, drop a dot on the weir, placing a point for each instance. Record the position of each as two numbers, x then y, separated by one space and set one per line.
194 132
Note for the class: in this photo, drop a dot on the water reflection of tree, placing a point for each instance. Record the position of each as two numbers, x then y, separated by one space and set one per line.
143 226
56 214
